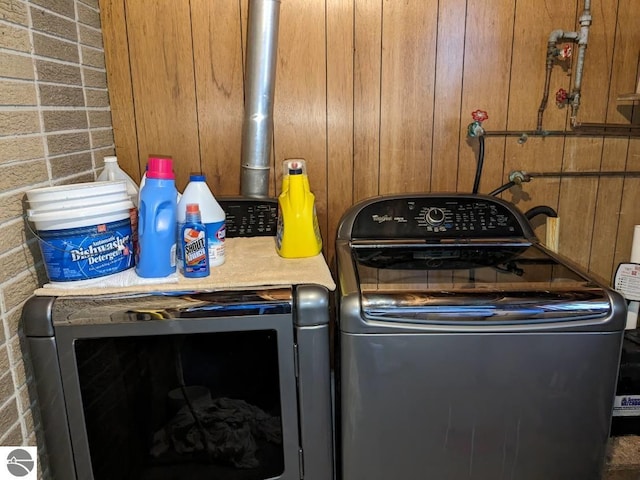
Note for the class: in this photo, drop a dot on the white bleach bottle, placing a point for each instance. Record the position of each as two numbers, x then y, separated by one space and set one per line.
112 171
212 216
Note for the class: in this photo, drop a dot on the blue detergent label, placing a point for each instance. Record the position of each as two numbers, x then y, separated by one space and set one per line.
87 252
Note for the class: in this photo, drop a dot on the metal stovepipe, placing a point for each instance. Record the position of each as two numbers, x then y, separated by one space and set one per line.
260 73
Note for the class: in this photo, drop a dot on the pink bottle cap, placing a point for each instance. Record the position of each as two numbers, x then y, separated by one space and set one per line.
161 168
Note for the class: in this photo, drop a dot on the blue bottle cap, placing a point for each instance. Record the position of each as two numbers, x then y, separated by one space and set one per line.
197 177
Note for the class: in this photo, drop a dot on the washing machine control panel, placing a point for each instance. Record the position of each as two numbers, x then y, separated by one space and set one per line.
437 216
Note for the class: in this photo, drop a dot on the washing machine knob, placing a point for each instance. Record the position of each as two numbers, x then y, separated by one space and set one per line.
435 216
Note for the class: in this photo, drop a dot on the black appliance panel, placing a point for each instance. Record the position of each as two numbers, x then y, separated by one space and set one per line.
436 217
250 217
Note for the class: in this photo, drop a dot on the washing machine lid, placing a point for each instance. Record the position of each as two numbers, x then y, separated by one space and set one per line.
473 282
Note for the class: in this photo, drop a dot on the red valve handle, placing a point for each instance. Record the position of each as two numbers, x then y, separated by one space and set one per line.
566 51
480 115
561 96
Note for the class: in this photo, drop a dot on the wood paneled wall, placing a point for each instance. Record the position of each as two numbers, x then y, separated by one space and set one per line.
377 95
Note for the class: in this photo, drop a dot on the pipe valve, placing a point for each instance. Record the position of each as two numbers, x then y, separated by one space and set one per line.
475 128
562 98
518 177
566 51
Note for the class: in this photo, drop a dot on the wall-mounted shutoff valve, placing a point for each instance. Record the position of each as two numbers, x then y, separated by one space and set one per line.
555 52
562 98
565 52
475 128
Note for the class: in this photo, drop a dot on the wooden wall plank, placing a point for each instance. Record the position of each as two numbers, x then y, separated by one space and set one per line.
598 64
629 213
116 52
218 63
377 96
537 154
487 63
300 100
340 41
630 204
627 54
578 196
605 224
366 96
577 202
163 83
407 90
448 93
244 21
614 151
532 28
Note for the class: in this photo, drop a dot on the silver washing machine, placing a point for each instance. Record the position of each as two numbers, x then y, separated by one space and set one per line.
466 350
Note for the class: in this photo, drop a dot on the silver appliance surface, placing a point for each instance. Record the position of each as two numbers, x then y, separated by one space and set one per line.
466 349
114 376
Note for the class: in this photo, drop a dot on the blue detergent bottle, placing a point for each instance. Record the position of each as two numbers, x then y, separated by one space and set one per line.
157 221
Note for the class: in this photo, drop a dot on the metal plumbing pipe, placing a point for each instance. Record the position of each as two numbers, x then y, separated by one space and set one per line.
551 47
581 38
260 72
552 51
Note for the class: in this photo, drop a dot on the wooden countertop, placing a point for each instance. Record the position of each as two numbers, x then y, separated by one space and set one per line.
623 458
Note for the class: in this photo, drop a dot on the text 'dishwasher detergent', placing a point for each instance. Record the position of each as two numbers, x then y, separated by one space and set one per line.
87 252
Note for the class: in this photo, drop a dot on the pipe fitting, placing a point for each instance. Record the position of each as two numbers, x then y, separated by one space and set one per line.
475 129
558 35
519 177
585 19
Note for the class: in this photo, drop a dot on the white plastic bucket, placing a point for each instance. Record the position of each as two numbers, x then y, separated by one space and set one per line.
75 191
83 243
46 205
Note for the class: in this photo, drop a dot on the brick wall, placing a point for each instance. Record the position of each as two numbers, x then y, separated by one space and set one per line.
55 128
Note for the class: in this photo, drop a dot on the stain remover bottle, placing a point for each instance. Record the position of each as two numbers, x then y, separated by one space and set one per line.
193 244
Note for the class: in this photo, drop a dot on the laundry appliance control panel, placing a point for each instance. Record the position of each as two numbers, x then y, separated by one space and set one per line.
434 216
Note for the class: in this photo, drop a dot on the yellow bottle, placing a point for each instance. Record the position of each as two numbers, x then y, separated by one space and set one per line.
298 232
